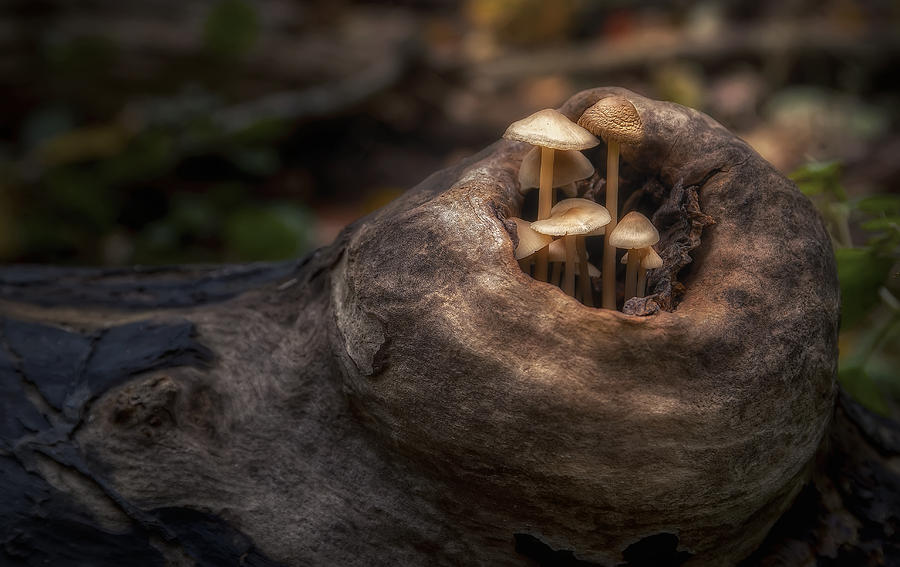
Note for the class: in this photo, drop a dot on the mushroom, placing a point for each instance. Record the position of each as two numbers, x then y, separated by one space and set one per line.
557 257
635 233
617 121
568 166
550 130
569 219
650 261
529 243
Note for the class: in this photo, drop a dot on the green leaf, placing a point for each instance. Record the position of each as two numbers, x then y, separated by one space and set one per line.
820 178
860 385
882 223
880 204
272 233
861 272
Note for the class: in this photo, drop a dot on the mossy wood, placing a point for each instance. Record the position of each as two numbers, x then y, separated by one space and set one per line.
408 396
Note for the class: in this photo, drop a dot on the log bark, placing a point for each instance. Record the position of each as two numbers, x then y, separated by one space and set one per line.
408 396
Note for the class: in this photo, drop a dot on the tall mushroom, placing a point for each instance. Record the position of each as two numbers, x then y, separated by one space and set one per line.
569 219
650 261
635 233
617 121
568 166
550 130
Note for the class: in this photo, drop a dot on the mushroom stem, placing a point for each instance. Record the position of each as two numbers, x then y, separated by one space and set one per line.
584 278
545 202
525 264
612 205
641 281
557 273
571 260
634 262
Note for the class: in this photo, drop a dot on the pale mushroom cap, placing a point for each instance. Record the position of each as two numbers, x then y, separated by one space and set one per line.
596 232
573 216
551 129
614 118
633 231
578 202
651 260
568 166
529 240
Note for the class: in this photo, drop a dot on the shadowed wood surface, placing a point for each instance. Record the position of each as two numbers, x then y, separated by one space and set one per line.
408 395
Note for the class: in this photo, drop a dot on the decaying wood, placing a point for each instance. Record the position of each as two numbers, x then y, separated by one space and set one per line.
408 396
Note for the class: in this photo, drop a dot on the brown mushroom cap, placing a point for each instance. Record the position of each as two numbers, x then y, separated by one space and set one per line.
651 260
614 118
568 166
633 231
573 216
551 129
530 241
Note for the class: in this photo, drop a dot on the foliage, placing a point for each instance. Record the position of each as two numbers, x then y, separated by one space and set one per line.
866 236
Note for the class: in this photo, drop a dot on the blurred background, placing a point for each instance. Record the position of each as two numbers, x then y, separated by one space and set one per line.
164 131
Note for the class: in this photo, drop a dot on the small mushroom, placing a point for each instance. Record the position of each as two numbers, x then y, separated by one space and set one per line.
529 243
635 233
550 130
568 166
557 256
569 219
650 261
617 121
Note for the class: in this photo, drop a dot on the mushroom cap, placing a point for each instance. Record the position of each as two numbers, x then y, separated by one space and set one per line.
551 129
633 231
529 240
573 216
614 118
651 260
568 166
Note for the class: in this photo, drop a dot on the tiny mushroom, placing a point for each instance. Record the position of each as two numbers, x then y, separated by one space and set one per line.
557 257
635 233
550 130
571 218
650 261
529 242
568 166
617 121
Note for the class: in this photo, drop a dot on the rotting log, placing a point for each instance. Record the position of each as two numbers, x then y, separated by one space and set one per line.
408 396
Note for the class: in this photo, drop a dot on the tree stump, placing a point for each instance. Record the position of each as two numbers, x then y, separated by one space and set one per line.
408 396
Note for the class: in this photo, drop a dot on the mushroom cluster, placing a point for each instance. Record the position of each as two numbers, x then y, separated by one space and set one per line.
558 234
